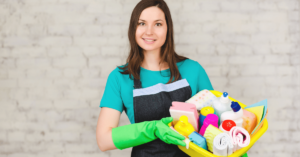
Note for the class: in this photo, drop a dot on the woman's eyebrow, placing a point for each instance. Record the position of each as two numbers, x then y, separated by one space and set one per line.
155 20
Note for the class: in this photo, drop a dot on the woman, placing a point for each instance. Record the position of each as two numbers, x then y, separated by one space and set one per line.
146 85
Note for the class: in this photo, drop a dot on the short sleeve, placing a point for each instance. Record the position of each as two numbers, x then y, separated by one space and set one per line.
112 96
204 82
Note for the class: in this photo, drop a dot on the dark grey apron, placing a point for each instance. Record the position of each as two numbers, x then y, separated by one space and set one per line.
153 103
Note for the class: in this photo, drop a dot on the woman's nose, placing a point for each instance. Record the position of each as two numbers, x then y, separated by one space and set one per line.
149 30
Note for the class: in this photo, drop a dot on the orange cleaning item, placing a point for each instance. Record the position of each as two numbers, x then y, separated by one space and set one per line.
249 121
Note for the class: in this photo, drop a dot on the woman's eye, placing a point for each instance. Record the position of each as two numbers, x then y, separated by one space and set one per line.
142 23
158 24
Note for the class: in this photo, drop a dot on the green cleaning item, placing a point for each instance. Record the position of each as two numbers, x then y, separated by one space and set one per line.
139 133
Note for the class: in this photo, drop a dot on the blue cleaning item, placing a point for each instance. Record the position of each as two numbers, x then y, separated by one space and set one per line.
225 94
198 140
235 106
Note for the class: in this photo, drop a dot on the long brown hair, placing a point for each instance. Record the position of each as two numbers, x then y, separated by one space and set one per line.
167 52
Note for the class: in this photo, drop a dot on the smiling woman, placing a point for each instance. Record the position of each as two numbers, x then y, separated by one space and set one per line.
151 30
151 40
166 77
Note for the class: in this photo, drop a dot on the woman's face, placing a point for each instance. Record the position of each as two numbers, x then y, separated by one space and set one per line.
152 29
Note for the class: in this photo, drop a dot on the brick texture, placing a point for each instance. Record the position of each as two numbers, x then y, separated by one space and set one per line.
55 57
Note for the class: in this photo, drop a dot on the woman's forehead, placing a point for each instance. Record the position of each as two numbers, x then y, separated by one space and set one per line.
152 14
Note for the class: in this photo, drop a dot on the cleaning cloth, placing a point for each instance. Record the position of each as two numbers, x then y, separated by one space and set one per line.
240 138
210 133
223 145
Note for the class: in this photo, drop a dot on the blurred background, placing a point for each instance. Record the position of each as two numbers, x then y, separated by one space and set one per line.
55 57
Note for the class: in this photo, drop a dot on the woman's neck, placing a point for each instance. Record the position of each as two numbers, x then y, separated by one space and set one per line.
152 59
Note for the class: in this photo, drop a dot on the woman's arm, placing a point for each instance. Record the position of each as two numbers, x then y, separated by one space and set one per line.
108 119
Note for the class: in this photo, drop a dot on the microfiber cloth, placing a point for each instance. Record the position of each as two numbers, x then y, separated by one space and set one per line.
240 138
210 133
263 103
223 145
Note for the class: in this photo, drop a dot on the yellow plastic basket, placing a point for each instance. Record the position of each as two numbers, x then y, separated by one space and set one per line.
196 151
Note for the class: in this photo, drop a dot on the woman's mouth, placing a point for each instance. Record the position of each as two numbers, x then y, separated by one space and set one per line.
149 41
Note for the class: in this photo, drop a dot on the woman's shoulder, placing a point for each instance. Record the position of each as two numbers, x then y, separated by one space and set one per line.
117 73
189 63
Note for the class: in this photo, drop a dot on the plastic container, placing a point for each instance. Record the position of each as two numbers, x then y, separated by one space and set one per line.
196 151
222 104
204 112
210 119
236 114
184 127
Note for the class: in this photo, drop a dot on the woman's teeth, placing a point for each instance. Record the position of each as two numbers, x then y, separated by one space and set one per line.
149 40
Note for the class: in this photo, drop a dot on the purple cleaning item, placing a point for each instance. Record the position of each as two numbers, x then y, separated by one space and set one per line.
210 119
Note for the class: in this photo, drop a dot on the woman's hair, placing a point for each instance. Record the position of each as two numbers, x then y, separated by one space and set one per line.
167 52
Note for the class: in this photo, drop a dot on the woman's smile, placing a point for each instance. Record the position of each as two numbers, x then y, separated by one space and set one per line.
149 40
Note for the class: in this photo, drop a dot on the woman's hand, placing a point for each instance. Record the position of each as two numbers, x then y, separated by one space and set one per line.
166 134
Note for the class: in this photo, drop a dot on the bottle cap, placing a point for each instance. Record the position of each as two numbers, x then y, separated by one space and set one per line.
235 106
228 124
207 110
184 119
211 119
225 94
224 98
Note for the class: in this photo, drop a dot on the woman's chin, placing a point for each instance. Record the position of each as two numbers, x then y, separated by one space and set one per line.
147 48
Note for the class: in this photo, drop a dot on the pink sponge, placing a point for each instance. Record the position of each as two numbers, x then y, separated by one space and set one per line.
179 109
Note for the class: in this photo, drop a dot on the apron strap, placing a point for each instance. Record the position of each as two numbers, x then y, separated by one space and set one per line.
138 83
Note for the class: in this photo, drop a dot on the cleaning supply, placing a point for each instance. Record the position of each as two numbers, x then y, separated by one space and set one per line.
236 115
179 109
202 99
249 121
211 119
210 133
222 104
227 125
204 112
260 109
140 133
184 127
196 151
187 142
198 140
240 138
222 145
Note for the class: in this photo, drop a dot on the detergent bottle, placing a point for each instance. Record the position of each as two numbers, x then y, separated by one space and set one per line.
210 119
236 115
184 127
227 125
204 112
222 104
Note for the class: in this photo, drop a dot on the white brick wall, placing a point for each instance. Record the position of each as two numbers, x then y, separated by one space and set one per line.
55 56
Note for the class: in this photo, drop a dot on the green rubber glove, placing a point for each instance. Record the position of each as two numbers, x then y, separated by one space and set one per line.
139 133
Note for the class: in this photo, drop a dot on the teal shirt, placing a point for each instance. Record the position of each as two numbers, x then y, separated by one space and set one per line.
118 93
